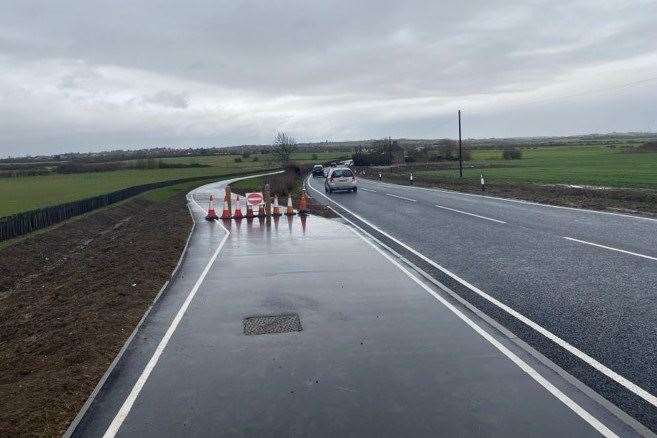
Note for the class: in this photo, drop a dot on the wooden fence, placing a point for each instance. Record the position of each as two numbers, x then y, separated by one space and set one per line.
26 222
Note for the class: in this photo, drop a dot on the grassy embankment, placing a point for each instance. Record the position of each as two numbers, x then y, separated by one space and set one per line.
72 295
568 176
30 192
590 166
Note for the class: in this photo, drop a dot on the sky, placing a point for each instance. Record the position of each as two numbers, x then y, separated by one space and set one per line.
80 75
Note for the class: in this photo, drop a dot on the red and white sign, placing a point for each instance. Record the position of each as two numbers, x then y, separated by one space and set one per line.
254 198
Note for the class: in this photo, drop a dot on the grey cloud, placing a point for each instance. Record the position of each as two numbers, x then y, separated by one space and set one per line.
328 64
167 99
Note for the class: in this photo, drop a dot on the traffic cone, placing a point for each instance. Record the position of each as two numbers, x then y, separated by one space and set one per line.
277 209
249 211
212 215
303 203
290 210
238 209
226 213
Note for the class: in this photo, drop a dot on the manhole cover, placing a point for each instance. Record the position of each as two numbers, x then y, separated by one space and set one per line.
264 324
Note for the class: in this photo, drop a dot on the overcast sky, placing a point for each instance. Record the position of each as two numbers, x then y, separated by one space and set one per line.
81 75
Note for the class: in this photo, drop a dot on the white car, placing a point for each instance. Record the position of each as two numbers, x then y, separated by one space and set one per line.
340 178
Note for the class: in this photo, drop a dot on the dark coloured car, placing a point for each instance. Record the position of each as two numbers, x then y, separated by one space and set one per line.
318 170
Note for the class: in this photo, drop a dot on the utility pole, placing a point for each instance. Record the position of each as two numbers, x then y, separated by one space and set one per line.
460 149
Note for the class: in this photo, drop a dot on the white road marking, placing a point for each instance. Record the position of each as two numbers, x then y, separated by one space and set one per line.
531 372
368 190
611 248
123 412
631 386
470 214
518 201
401 197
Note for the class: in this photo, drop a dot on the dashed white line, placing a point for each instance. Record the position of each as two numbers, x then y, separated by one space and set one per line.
628 384
471 214
368 190
401 197
611 248
518 201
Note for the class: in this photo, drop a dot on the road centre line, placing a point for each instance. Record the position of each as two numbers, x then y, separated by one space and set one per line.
611 248
401 197
368 190
629 385
524 366
517 201
470 214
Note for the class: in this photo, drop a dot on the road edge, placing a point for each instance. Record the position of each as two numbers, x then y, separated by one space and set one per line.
613 409
87 404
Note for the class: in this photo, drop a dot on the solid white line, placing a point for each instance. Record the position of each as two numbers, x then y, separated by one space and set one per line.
136 389
470 214
401 197
631 386
611 248
584 414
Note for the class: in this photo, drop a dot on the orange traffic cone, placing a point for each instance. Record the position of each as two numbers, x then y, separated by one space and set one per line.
238 209
290 210
277 209
212 215
249 211
303 203
226 213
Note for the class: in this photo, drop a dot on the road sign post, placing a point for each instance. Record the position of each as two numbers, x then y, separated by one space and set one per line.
460 149
267 201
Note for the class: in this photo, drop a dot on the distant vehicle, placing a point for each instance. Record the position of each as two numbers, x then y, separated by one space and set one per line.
340 178
318 170
326 171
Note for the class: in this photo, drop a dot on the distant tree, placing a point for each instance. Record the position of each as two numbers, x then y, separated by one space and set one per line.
283 147
512 153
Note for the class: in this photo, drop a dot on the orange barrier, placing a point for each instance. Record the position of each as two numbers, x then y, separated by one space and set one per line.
212 214
303 203
238 209
226 213
290 210
277 209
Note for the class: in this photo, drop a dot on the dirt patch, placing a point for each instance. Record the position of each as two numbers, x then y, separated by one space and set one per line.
70 297
633 201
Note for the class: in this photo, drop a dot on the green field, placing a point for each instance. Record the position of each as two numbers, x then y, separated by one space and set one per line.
30 192
577 165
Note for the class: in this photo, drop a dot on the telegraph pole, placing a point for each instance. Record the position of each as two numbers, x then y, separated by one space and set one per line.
460 149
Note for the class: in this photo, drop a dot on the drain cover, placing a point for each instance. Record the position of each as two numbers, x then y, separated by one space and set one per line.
265 324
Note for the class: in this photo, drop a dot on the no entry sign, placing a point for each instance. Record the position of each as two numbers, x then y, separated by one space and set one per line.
254 198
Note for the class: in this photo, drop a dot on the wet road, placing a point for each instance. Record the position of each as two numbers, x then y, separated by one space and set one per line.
588 278
380 352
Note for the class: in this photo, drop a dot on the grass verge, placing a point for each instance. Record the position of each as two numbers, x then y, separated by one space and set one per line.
70 297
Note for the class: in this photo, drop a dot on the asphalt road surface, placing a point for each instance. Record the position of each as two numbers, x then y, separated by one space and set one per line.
577 285
366 347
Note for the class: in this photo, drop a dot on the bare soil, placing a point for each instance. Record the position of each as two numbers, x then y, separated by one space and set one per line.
70 297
